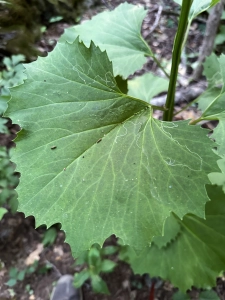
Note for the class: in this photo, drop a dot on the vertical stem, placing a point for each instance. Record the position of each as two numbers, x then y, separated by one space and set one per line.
177 49
152 291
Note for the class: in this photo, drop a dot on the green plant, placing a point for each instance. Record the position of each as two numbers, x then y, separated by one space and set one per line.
96 263
94 158
22 23
45 268
11 75
18 275
29 290
203 295
8 181
49 236
15 274
220 36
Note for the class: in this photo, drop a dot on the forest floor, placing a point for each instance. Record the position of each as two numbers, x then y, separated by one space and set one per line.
21 244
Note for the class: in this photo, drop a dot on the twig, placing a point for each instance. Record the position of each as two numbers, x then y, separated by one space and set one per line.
186 106
108 5
54 268
160 66
157 19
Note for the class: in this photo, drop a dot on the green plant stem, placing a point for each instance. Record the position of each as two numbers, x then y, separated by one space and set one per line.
184 108
160 66
158 107
202 118
196 121
151 54
177 49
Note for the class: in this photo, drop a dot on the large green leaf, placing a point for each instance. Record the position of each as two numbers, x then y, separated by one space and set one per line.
117 32
147 86
95 160
198 6
197 255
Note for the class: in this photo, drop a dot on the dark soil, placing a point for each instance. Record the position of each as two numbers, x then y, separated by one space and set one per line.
19 239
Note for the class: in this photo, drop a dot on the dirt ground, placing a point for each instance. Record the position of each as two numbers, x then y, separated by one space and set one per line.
18 237
19 240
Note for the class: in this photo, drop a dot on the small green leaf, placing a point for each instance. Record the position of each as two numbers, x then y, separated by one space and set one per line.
3 106
219 178
198 6
80 278
21 275
32 268
147 86
99 285
3 127
181 296
13 272
94 257
49 236
83 258
107 265
117 32
208 295
45 269
11 282
109 250
126 253
220 37
16 59
2 212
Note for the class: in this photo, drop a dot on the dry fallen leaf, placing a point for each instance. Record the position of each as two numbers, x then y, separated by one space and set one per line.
58 250
35 255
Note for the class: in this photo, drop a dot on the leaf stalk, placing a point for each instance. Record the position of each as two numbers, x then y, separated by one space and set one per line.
160 66
177 49
186 106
